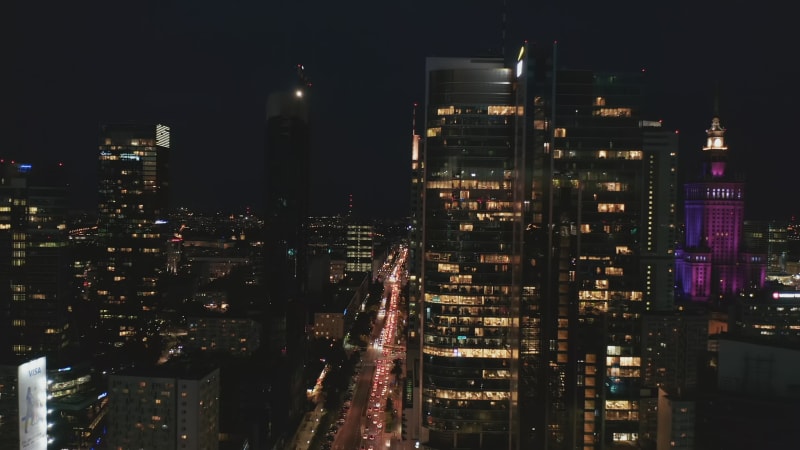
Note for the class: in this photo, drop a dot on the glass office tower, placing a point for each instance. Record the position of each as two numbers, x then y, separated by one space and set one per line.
469 227
580 352
133 197
548 230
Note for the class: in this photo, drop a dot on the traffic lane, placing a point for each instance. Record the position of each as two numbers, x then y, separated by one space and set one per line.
347 437
349 434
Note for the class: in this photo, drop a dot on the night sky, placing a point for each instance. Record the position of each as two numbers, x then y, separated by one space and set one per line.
206 68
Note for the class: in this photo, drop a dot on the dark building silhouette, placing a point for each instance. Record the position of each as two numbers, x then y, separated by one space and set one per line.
288 141
35 300
414 260
754 400
38 307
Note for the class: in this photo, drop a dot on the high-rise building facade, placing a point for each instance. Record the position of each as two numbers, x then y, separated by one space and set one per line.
287 197
548 229
414 260
769 238
712 262
659 224
359 250
596 167
468 255
674 345
133 199
34 261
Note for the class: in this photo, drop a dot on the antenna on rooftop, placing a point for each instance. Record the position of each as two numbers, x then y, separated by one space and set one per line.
503 30
350 205
414 119
301 75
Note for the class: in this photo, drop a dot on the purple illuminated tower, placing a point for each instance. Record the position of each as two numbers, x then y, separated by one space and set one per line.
711 264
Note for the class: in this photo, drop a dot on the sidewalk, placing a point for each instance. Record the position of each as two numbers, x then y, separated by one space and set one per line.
307 428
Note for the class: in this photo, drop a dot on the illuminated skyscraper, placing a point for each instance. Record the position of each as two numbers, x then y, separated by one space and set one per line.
133 200
360 243
469 225
548 229
712 262
34 261
595 164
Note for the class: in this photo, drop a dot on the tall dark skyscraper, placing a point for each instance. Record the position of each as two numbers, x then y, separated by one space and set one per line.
133 190
288 145
34 261
548 229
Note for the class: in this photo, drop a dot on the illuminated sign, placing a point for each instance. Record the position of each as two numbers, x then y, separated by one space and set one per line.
782 295
162 136
128 157
32 389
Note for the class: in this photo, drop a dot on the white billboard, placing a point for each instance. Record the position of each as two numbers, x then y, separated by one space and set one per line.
32 392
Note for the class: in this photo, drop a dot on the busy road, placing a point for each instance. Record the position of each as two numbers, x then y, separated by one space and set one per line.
372 420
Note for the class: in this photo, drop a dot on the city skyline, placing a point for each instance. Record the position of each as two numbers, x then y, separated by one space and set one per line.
207 72
528 299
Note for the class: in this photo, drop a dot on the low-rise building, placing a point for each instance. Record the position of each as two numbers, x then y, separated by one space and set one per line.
166 407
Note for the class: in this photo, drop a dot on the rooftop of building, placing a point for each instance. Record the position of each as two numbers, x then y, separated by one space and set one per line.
764 341
180 369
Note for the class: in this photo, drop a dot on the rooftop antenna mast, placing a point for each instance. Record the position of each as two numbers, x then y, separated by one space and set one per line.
350 205
302 77
503 30
414 119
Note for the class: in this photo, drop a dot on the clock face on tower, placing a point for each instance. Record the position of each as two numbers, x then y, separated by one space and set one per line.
717 142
